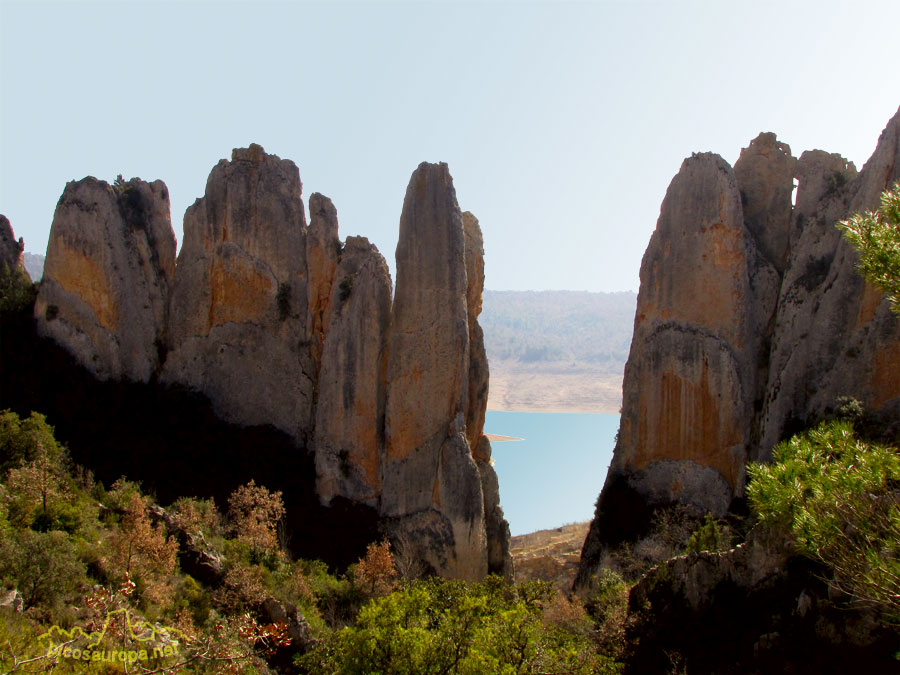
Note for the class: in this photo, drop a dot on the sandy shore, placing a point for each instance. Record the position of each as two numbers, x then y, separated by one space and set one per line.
494 438
525 388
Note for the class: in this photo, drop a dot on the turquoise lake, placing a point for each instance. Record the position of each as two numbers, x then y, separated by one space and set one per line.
554 475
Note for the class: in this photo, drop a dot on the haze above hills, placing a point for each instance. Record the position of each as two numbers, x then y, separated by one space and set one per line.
557 351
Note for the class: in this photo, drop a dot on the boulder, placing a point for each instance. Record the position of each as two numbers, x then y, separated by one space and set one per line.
107 277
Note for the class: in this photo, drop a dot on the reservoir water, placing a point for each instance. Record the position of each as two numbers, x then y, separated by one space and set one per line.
552 476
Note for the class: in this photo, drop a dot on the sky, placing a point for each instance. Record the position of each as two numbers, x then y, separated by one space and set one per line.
562 123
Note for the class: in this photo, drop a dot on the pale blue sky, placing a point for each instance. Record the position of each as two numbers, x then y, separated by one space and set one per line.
562 123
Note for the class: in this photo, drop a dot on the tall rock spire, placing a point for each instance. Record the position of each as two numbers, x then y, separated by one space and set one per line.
685 415
238 327
349 425
432 487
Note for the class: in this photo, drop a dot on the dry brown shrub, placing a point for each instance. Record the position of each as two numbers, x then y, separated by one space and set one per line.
254 514
375 572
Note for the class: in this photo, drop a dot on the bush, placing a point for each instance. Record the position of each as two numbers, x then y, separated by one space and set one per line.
254 514
17 293
438 626
840 499
22 440
876 237
43 567
375 573
710 536
607 604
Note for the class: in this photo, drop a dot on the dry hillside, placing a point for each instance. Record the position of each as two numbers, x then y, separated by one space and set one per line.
549 555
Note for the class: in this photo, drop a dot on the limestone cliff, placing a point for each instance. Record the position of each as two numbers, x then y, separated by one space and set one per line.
238 328
432 487
751 322
834 333
323 247
349 429
107 277
689 388
496 527
279 325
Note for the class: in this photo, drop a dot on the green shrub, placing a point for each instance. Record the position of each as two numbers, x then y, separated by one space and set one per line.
21 440
438 626
43 566
876 237
838 496
710 536
17 293
607 604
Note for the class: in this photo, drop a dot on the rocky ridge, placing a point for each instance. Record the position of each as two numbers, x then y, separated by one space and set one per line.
280 324
751 323
12 250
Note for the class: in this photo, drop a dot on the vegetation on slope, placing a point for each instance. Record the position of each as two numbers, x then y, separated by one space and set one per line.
105 580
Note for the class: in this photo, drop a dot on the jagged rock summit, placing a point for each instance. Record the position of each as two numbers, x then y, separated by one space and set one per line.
751 322
12 251
281 324
238 324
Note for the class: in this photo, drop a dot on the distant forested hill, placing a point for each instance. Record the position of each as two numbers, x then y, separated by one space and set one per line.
540 326
557 350
35 265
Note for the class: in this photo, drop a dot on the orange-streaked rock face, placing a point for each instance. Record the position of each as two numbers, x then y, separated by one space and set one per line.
687 393
349 429
686 418
242 289
239 309
431 483
108 273
834 334
81 273
710 265
428 362
752 322
322 252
